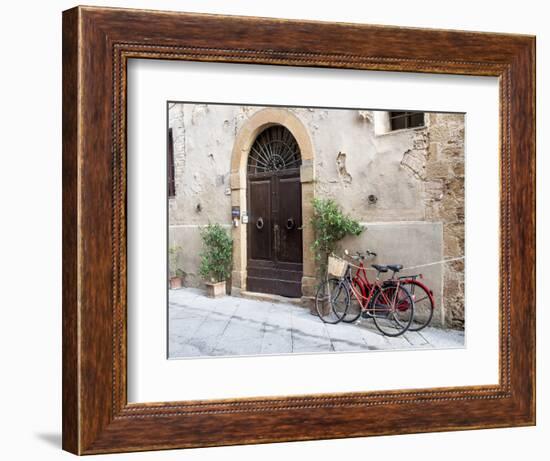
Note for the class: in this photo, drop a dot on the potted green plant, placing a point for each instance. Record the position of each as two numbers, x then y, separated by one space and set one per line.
216 259
330 225
176 274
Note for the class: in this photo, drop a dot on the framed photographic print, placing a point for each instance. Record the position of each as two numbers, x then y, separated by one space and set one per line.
282 230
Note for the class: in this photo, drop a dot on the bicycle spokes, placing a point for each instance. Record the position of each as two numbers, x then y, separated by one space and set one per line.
423 304
393 310
332 300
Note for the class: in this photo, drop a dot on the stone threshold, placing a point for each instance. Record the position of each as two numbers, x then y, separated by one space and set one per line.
269 297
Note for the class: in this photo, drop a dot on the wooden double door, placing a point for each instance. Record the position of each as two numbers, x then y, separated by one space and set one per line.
274 233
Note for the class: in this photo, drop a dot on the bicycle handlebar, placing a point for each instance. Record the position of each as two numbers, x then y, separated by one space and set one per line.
358 255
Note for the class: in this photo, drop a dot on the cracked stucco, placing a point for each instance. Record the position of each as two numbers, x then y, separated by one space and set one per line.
341 165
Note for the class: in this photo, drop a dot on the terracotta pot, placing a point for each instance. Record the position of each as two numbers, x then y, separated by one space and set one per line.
175 283
215 289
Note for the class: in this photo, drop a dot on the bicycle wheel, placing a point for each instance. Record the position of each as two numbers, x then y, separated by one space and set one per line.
423 304
392 310
332 300
354 308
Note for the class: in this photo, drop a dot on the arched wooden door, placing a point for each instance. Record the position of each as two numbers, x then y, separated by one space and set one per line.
275 214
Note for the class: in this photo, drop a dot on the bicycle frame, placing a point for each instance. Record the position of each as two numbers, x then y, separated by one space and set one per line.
363 289
360 279
366 286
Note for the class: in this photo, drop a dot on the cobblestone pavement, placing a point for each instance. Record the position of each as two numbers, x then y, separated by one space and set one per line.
229 326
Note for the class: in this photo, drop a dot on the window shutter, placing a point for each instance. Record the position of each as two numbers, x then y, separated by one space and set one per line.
171 169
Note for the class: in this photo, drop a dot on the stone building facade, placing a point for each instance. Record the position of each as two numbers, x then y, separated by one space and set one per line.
405 185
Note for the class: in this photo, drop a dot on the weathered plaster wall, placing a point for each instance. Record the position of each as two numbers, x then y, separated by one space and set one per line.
414 179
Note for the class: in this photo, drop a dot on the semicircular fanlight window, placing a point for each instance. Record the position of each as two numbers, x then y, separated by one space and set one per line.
274 149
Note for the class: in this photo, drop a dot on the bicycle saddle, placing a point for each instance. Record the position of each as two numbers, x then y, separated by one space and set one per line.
395 267
380 268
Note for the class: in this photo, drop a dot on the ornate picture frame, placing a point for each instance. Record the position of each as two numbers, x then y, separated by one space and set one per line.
97 44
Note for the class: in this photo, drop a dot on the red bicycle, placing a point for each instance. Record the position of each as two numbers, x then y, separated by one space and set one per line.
422 296
389 305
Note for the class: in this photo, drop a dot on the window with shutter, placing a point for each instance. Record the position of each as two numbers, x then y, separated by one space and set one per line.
170 163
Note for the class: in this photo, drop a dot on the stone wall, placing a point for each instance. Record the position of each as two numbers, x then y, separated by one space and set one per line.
444 199
406 186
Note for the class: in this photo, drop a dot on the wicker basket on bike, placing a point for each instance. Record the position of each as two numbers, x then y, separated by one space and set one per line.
336 266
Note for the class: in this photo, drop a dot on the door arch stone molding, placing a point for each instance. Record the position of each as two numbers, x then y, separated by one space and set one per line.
246 136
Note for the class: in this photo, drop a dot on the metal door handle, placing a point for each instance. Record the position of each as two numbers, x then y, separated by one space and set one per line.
290 223
260 223
276 238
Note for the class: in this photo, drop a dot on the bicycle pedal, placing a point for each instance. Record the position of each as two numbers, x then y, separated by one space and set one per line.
365 315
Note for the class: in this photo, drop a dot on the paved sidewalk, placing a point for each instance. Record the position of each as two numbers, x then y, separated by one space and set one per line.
230 326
